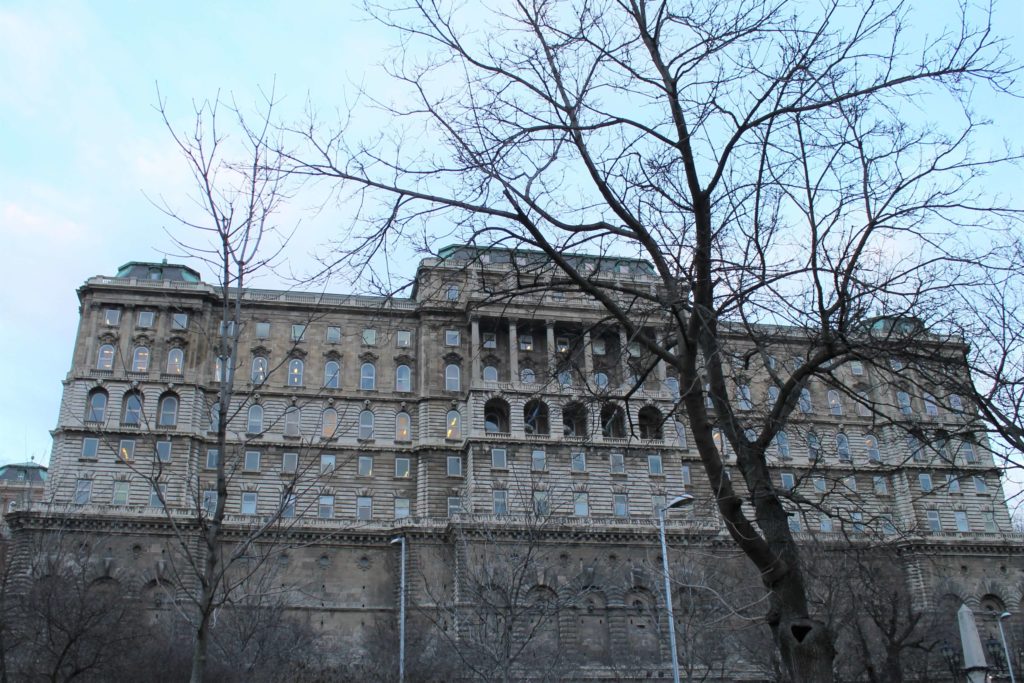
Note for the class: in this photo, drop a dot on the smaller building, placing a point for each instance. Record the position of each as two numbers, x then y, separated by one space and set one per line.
20 483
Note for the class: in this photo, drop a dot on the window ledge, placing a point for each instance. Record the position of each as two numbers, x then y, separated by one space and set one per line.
84 459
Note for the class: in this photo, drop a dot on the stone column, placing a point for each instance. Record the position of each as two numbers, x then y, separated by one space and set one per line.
474 351
624 357
588 358
550 324
660 369
513 351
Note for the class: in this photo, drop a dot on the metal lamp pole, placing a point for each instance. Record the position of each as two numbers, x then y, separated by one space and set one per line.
401 610
685 499
1002 636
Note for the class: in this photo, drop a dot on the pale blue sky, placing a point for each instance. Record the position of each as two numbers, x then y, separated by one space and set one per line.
80 144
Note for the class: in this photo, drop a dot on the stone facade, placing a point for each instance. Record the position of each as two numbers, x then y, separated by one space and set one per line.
467 424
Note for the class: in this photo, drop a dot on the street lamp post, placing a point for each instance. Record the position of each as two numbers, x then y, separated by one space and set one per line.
1006 649
401 610
681 501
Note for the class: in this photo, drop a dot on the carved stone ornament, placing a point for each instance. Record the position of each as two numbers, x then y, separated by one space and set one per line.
452 357
404 359
108 337
332 355
297 353
260 350
368 357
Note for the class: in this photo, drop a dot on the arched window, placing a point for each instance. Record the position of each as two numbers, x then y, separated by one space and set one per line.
649 421
931 406
835 407
368 376
255 423
496 417
105 358
813 447
403 378
292 421
490 373
259 370
175 362
221 365
613 422
805 401
453 422
140 359
842 446
366 424
601 380
215 416
527 376
403 427
132 413
871 446
332 374
167 414
564 378
452 381
719 440
956 403
535 417
743 397
574 420
452 293
96 410
863 404
903 400
773 396
295 370
782 445
672 384
329 423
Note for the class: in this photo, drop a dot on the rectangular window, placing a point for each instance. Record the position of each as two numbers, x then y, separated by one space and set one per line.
179 321
490 340
499 499
365 466
402 509
90 448
858 522
825 523
538 461
581 504
979 485
960 516
210 501
499 459
83 491
325 508
819 484
851 483
787 481
856 368
620 505
924 480
287 505
454 505
248 502
579 462
686 475
990 522
146 318
617 463
263 330
526 342
454 466
121 491
112 316
967 448
562 344
881 485
298 332
658 504
888 528
952 483
402 468
163 451
369 336
333 334
654 465
541 505
226 328
451 338
289 462
157 496
126 450
794 524
598 347
403 339
252 461
934 521
364 508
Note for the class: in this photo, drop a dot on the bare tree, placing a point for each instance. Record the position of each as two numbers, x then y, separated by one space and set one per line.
769 160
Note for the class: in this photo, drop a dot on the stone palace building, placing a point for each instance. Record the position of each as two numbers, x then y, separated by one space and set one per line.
518 447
